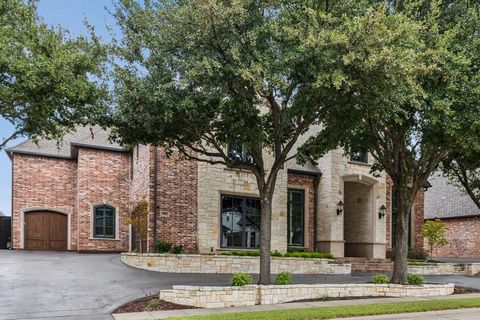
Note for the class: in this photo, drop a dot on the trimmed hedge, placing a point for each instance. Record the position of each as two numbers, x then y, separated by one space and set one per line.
296 254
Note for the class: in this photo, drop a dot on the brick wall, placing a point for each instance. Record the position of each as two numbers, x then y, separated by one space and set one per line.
463 236
417 219
53 181
177 201
307 183
103 178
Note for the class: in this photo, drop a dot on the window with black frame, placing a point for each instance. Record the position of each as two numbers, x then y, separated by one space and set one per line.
104 222
357 155
296 218
238 152
240 222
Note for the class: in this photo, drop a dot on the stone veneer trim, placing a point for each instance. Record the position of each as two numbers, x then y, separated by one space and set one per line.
197 263
220 297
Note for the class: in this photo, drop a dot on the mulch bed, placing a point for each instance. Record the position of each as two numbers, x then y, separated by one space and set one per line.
460 290
151 303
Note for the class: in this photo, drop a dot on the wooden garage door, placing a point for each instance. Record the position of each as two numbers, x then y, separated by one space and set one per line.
45 230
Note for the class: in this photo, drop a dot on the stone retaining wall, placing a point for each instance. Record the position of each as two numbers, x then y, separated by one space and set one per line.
219 297
196 263
431 269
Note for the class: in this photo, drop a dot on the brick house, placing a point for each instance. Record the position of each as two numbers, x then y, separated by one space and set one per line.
72 196
448 203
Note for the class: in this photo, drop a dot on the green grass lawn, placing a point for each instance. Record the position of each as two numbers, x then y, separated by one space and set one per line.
347 311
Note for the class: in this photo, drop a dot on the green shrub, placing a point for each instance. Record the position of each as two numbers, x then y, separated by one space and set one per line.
308 255
241 253
178 249
417 254
380 279
241 279
163 246
415 279
295 254
284 278
276 254
152 304
293 249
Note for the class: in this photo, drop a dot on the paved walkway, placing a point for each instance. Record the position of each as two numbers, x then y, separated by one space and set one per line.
299 305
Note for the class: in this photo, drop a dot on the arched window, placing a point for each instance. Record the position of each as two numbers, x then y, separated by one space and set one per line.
104 222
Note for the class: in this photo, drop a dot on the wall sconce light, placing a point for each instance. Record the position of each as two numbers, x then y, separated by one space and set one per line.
381 212
339 207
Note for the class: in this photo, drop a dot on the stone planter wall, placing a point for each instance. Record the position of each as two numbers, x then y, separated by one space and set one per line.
195 263
430 269
219 297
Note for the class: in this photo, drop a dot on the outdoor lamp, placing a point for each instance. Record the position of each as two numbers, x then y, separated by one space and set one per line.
381 212
339 207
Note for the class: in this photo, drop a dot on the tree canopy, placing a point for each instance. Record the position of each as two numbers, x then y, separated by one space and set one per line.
420 101
389 77
49 81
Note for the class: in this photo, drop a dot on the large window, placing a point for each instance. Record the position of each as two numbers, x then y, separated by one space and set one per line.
296 217
238 152
359 156
240 222
104 222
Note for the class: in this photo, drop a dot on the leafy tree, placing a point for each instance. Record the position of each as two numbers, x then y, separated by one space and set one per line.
434 232
48 81
416 96
138 218
199 75
464 172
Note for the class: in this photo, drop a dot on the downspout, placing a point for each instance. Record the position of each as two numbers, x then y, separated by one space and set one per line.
155 195
316 183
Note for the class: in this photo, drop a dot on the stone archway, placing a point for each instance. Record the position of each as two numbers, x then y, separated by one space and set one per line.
359 216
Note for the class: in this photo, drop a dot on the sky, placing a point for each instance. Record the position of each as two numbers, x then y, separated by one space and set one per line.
69 14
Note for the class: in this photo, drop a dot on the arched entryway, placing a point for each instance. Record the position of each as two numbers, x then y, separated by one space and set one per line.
45 230
359 207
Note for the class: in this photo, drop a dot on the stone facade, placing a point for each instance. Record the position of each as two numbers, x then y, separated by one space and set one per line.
195 263
221 297
338 172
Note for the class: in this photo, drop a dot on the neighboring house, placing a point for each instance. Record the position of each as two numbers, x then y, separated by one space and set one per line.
74 197
5 230
450 204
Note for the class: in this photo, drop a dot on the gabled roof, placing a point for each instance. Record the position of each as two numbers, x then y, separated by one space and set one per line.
446 201
89 137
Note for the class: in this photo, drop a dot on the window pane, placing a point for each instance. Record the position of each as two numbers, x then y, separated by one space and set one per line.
104 222
240 222
359 156
296 217
235 151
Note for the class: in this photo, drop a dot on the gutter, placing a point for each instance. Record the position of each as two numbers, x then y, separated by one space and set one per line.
155 195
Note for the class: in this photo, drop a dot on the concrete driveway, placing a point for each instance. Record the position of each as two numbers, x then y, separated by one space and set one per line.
66 285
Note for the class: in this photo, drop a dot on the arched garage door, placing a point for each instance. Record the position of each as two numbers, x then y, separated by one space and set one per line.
45 230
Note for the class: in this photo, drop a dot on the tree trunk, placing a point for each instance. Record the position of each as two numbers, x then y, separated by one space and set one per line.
400 265
265 238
